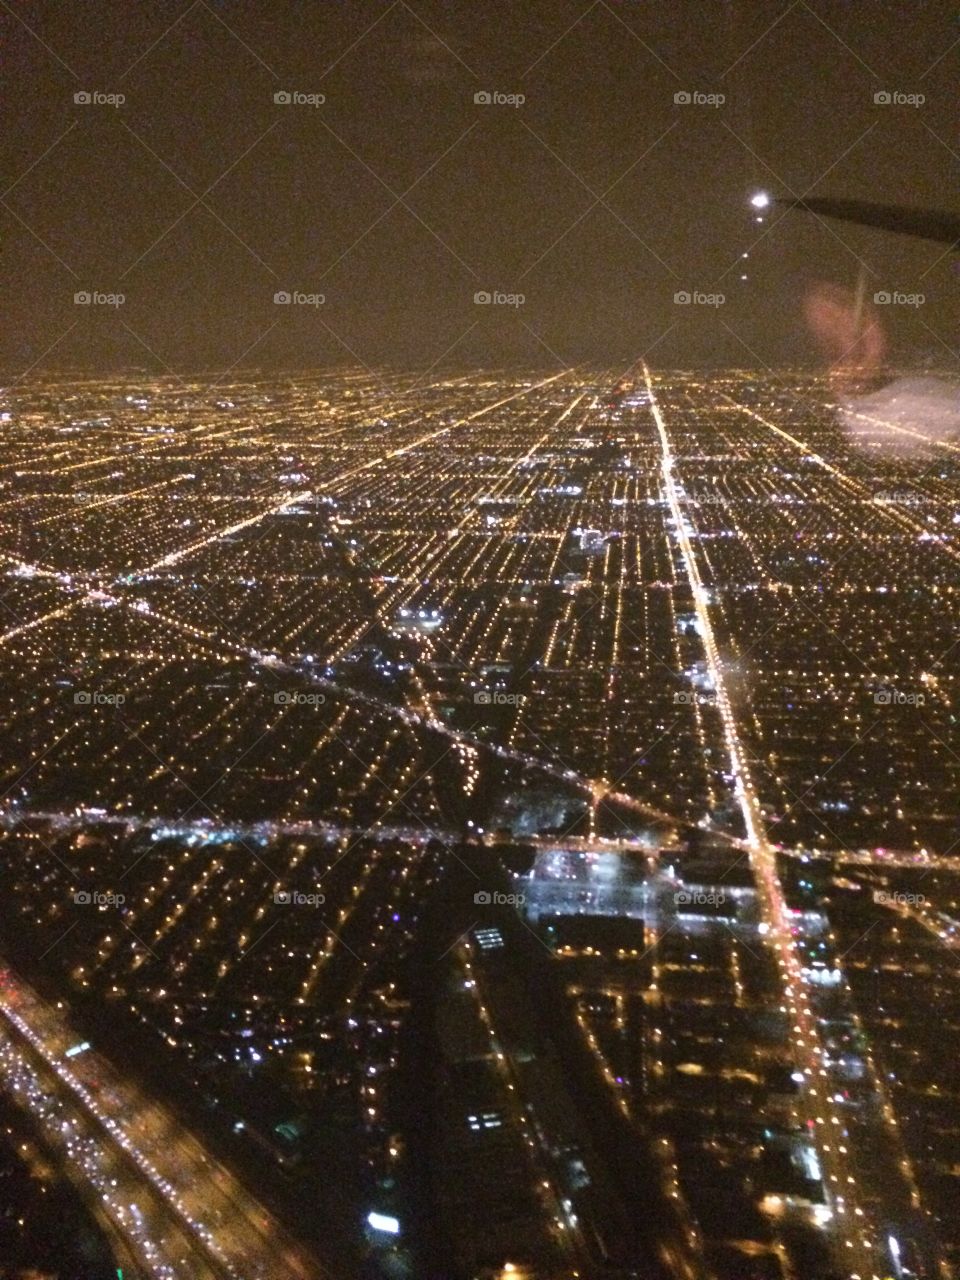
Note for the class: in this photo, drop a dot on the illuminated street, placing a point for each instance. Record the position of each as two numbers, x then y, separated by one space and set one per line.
815 1104
192 1217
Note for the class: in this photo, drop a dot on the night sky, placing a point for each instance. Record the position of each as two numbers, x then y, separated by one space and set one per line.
399 197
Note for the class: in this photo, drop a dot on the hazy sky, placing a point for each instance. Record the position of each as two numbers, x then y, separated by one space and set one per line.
598 198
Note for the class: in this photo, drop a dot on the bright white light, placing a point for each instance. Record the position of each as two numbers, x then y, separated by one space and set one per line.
761 200
383 1222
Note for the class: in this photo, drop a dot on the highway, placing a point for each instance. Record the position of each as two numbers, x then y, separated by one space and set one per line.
858 1253
180 1213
